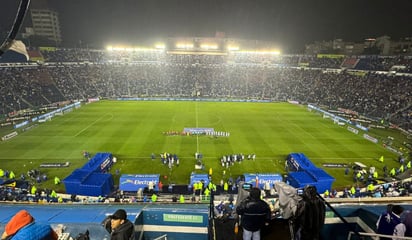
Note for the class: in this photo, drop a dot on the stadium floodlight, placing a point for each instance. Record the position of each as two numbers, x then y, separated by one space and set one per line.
233 48
274 52
208 47
184 45
118 49
115 48
160 46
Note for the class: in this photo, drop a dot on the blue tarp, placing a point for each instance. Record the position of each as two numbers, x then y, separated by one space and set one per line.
89 184
82 182
73 181
303 172
132 182
299 179
101 162
303 178
299 162
97 184
320 175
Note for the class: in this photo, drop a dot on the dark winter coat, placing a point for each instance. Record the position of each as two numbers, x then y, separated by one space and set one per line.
310 216
254 212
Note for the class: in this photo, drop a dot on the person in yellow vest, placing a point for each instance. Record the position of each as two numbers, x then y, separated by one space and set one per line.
207 192
12 175
60 199
210 186
401 169
33 190
1 173
381 159
370 188
326 193
409 165
154 197
53 194
358 175
226 187
214 187
56 180
392 172
375 174
210 171
200 186
182 199
352 191
195 187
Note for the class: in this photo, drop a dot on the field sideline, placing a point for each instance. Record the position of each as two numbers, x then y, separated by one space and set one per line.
132 131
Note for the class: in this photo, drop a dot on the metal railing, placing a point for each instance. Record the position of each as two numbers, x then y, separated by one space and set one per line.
375 236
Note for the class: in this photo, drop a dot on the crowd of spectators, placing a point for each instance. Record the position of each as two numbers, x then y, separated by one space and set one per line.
79 74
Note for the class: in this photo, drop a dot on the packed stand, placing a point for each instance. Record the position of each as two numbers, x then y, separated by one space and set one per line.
80 74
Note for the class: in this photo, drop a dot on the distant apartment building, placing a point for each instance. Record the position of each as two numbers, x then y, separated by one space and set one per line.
46 24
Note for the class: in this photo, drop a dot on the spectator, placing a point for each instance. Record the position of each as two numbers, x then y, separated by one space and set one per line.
388 220
154 197
254 213
22 226
310 215
182 199
119 227
56 180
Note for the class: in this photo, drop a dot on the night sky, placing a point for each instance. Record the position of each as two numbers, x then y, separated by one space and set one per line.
289 23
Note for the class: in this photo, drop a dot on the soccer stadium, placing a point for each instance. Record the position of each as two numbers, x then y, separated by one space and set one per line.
179 133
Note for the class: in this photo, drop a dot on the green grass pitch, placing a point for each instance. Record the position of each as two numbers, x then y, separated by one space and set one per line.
133 130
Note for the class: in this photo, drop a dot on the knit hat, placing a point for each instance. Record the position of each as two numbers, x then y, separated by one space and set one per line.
18 221
119 214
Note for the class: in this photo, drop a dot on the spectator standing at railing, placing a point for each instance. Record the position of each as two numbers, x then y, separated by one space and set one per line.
310 215
388 220
255 213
